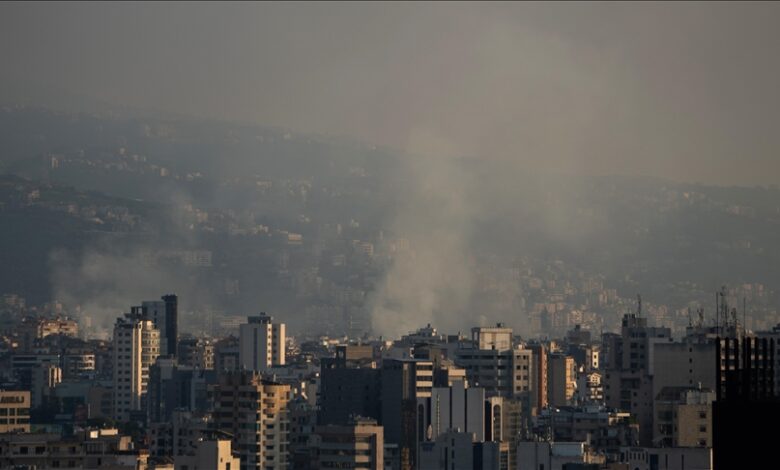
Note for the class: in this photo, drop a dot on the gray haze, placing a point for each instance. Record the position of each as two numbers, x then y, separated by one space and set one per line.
683 91
686 92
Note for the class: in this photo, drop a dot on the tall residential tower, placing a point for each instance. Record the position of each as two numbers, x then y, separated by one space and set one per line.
261 343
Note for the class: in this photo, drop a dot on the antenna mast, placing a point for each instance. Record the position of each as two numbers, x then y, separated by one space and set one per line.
724 306
717 314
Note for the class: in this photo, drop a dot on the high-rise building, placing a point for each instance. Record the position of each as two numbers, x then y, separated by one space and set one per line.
359 445
196 352
501 372
254 411
683 417
745 400
687 363
404 381
589 388
78 363
173 387
498 337
504 424
164 314
453 450
136 347
177 435
455 407
774 334
226 354
539 379
602 427
628 380
14 411
44 380
303 420
261 343
348 388
562 379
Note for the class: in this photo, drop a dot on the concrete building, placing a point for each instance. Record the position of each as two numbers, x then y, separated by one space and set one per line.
628 380
196 352
504 424
90 449
688 363
136 347
164 314
505 373
665 458
100 400
226 354
452 450
44 379
359 446
585 356
347 389
14 411
745 400
32 329
303 419
578 336
447 373
602 427
455 407
498 338
354 353
254 411
543 455
78 363
261 343
57 326
211 452
403 383
23 367
683 417
174 387
179 435
774 334
562 379
539 379
589 388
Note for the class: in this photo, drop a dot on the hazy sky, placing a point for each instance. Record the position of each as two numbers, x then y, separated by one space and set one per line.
686 91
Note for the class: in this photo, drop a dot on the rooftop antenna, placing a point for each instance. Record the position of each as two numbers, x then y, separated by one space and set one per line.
725 306
717 314
690 318
701 316
638 305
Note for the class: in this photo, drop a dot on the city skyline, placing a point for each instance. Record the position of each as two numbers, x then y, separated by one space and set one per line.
389 236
